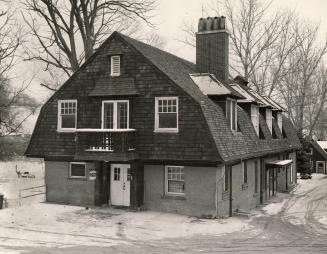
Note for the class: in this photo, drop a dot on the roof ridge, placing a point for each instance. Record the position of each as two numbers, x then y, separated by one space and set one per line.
156 48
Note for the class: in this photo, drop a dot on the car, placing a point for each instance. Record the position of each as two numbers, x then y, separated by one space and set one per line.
27 174
305 176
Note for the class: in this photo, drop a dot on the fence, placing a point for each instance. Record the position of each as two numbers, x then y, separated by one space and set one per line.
29 193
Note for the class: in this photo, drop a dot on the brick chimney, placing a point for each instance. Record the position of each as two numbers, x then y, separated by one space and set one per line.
212 47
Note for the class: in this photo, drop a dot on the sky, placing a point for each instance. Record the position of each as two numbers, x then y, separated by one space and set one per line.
169 18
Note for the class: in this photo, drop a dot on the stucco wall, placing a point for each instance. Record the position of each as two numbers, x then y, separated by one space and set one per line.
244 196
200 191
62 189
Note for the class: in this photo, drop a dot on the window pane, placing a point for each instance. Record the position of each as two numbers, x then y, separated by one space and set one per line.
167 120
68 121
122 112
116 174
108 115
175 186
77 170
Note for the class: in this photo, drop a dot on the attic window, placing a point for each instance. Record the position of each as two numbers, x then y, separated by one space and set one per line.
255 118
231 113
269 119
115 66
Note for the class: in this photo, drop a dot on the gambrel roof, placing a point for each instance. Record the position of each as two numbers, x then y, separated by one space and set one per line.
230 145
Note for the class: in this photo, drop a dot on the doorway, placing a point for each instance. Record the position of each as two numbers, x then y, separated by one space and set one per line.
120 184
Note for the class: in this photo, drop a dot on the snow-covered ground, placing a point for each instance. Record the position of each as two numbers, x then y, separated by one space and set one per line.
64 226
11 186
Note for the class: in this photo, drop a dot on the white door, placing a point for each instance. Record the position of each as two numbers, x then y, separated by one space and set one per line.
120 184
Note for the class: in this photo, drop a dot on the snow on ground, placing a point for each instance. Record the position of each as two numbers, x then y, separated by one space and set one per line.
11 185
309 201
56 225
276 205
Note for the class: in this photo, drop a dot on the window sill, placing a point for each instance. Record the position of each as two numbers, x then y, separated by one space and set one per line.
77 179
174 197
67 131
245 186
166 131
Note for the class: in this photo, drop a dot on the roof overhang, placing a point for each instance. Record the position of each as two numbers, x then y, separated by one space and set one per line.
279 163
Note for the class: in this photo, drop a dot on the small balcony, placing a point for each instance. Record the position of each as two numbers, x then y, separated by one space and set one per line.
104 141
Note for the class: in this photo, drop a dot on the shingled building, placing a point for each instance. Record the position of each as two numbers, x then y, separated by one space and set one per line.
136 126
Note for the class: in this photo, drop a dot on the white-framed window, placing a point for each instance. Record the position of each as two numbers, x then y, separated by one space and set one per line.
320 167
280 121
67 115
269 119
255 118
115 66
77 170
166 114
231 113
115 114
175 183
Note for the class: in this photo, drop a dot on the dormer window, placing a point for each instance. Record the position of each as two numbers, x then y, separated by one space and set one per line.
280 121
115 66
231 113
255 118
269 119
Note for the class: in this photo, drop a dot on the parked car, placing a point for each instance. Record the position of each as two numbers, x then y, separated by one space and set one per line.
305 176
27 174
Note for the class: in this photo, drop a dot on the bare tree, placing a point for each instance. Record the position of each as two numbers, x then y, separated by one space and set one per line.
304 86
68 31
15 105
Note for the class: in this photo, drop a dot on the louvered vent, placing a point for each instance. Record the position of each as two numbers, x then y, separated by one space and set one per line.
115 65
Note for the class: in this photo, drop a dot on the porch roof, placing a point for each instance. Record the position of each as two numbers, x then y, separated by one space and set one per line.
279 163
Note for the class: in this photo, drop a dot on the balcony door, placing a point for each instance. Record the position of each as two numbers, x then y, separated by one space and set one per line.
120 184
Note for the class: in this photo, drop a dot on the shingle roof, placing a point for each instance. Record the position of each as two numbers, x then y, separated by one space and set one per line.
230 145
319 146
114 86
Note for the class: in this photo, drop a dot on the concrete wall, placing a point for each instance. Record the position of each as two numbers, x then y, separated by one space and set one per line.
62 189
244 196
200 191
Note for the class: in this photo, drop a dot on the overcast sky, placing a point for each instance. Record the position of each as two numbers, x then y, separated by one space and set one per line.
169 19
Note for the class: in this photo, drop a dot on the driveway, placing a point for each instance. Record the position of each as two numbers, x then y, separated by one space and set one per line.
295 223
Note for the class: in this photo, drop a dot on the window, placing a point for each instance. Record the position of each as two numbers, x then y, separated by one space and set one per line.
231 113
166 114
255 118
256 176
116 174
225 172
245 172
269 119
115 114
320 167
280 121
115 66
77 170
67 115
175 180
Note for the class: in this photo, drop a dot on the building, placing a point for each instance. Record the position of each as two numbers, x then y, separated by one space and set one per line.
136 126
318 156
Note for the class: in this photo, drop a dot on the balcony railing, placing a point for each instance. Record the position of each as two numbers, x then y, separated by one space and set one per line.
105 140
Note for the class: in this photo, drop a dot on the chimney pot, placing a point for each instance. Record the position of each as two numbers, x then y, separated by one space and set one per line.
222 22
208 23
216 22
201 25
